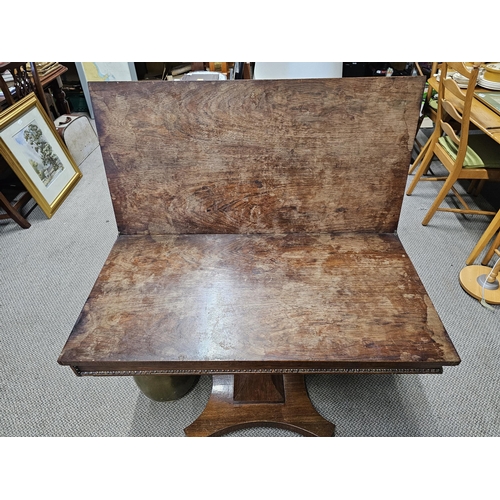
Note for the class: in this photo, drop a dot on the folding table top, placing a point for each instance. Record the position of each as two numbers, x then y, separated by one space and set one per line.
257 231
257 156
215 303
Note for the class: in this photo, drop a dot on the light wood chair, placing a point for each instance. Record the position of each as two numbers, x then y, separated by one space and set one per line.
464 155
429 107
429 110
491 230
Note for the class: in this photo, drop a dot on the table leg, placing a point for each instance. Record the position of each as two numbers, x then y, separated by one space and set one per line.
253 400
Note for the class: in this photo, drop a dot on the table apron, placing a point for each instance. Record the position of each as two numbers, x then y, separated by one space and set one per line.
82 371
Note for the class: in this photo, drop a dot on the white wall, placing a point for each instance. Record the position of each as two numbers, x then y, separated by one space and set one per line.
284 70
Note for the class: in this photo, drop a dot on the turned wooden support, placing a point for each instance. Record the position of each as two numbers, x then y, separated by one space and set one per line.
492 275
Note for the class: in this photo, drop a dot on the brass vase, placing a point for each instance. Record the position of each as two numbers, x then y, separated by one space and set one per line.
165 387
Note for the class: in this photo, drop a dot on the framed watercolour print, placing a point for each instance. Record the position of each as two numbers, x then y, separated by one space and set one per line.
38 156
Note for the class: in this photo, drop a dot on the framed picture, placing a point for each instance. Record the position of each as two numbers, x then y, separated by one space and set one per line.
103 72
38 156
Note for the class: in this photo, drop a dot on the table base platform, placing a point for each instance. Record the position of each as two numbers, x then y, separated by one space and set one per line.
259 400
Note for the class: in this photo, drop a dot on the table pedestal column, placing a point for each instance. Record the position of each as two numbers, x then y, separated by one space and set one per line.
254 400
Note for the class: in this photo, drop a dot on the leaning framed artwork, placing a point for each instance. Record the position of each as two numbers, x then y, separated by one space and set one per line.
38 156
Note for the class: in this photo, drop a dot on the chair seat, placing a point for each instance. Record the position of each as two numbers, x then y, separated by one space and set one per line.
487 149
482 152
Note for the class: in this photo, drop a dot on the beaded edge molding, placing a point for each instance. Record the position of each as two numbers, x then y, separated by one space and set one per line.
304 371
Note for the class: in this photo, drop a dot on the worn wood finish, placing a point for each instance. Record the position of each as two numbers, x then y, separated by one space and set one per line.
257 156
251 388
257 242
257 302
223 414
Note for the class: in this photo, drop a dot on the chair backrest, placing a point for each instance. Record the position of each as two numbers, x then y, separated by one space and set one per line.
24 82
429 109
456 102
257 156
429 105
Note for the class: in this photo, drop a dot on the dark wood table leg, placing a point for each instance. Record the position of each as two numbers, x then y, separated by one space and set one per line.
13 212
254 400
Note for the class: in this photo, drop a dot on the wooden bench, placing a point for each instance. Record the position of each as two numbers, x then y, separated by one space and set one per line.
257 242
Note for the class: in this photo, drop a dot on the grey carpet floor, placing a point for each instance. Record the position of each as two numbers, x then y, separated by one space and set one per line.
48 271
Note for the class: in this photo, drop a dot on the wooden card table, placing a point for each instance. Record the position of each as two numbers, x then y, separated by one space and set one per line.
257 243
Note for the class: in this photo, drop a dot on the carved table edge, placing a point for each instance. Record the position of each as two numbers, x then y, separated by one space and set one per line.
305 371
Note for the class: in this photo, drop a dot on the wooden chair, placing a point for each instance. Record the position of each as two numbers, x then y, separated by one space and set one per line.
24 82
464 155
429 107
13 195
491 230
429 110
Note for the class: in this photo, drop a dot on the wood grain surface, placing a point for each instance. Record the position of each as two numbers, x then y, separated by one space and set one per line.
212 303
224 414
257 156
257 238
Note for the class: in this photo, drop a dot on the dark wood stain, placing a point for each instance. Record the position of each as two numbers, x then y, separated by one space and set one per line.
257 238
257 156
297 415
190 302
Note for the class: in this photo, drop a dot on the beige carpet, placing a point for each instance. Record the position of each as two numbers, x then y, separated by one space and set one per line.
49 270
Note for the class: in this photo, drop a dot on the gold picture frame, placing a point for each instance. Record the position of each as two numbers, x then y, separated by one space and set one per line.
36 153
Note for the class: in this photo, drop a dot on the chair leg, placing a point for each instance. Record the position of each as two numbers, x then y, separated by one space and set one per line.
493 228
490 231
424 166
419 157
479 187
13 213
448 184
472 185
485 238
475 186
